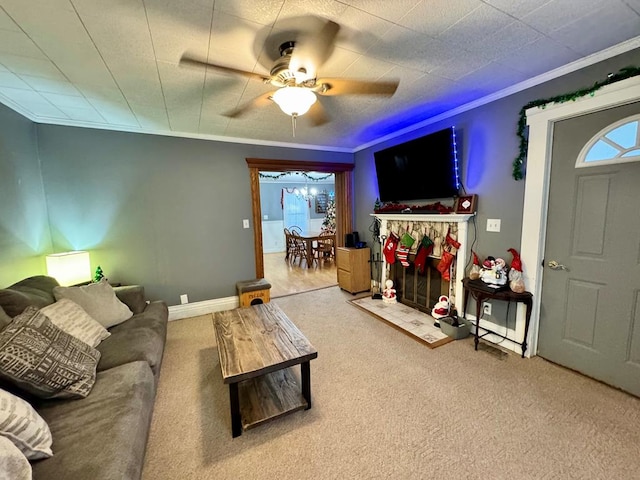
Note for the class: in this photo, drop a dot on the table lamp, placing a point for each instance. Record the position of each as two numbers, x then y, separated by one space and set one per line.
69 268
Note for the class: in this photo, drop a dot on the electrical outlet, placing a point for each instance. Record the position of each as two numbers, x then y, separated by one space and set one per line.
486 308
184 298
493 224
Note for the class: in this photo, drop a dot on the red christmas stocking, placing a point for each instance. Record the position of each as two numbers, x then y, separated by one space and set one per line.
444 264
424 250
403 255
390 248
450 244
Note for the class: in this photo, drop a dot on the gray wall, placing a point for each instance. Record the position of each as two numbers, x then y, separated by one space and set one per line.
24 227
487 146
161 211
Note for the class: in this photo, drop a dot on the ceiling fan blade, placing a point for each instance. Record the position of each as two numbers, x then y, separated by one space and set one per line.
260 101
186 61
312 49
317 115
345 86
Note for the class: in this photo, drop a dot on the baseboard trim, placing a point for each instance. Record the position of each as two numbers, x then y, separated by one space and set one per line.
177 312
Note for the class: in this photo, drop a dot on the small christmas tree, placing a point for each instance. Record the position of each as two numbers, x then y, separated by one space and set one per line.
99 275
329 222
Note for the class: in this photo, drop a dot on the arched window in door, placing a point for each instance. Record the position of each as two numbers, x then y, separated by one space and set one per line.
617 143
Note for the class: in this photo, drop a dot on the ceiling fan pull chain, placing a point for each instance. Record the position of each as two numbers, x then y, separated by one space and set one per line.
293 123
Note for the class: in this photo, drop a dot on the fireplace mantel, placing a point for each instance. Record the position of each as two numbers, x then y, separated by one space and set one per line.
462 220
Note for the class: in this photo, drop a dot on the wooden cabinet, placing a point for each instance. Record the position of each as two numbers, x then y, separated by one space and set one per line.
354 270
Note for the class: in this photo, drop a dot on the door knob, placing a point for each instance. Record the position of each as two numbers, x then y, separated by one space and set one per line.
553 265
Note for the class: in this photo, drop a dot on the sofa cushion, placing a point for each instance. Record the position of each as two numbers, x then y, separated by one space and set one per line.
13 464
142 337
71 317
37 291
45 361
102 436
21 424
98 300
132 296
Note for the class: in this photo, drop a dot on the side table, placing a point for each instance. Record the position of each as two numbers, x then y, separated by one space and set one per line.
481 292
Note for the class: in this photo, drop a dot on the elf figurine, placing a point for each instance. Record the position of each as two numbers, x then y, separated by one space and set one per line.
516 282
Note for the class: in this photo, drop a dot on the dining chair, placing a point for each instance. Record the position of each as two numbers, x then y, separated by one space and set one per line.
325 247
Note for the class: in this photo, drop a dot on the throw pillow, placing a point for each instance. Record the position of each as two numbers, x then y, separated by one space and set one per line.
98 300
13 464
21 424
43 360
70 317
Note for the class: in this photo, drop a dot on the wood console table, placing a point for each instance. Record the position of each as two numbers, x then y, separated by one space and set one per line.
256 347
481 292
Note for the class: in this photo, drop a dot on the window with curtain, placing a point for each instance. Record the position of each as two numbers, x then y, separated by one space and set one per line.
295 209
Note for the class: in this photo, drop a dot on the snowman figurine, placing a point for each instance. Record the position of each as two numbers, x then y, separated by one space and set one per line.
389 293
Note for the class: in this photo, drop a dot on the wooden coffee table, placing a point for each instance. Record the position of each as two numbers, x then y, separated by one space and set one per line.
256 346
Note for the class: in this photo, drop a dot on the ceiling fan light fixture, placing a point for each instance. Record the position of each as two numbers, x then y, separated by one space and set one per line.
294 101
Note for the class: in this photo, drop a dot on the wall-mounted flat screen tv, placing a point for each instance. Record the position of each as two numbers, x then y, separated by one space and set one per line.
421 169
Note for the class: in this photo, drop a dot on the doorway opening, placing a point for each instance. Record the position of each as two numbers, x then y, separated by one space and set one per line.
285 281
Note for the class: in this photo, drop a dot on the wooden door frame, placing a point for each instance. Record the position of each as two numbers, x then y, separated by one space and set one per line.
343 188
540 121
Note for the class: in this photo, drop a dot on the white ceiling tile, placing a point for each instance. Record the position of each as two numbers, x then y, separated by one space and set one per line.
529 61
8 79
434 16
517 8
625 23
53 85
359 30
264 12
23 95
482 22
557 13
150 117
6 23
392 11
66 100
513 36
119 59
29 66
634 4
82 114
17 43
43 110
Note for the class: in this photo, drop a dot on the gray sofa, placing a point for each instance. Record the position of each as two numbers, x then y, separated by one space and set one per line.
104 435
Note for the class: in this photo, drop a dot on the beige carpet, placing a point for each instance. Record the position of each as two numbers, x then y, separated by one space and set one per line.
386 406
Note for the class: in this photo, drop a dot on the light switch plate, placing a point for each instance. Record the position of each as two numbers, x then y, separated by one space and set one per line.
493 224
245 223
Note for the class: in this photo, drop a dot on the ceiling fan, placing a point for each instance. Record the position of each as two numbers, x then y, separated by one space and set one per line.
294 74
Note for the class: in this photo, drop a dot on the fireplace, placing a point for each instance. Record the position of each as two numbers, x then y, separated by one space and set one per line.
421 291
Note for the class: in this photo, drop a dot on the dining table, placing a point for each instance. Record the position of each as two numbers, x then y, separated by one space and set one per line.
309 237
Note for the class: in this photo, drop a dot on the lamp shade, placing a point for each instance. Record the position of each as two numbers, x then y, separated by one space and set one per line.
294 100
69 268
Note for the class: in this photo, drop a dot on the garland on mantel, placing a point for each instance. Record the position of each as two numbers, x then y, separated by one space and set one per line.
304 174
518 163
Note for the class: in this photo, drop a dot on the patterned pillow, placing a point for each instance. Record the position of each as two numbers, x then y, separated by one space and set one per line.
21 424
45 361
70 317
98 300
13 464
